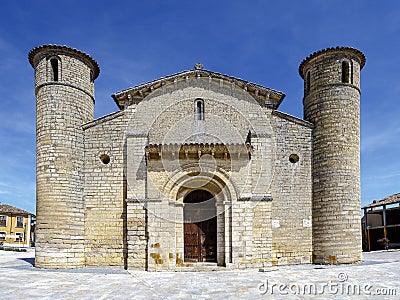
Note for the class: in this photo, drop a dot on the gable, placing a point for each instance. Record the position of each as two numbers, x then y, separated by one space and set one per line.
265 96
169 115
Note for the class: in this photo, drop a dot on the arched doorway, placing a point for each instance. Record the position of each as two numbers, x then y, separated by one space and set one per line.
200 227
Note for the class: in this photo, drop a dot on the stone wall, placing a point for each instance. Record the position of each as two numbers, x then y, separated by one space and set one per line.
169 117
105 191
104 201
168 114
291 191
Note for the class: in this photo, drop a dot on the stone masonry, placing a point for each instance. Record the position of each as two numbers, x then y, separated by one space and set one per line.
332 104
128 189
62 107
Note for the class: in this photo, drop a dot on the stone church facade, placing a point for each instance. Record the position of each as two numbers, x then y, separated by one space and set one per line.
197 168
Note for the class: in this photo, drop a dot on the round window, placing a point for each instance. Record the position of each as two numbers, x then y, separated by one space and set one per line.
293 158
105 159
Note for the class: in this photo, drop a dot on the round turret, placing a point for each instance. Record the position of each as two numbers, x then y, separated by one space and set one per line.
64 88
332 104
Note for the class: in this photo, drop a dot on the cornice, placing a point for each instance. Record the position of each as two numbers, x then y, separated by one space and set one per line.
32 56
265 96
360 56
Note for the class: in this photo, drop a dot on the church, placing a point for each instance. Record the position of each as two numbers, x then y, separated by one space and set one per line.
196 169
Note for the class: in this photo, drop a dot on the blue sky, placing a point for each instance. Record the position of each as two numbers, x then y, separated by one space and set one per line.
260 41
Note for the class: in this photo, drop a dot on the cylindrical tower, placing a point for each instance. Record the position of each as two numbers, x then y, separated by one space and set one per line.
64 88
332 102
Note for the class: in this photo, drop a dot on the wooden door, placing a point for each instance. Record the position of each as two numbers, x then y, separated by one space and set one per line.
200 241
200 227
192 241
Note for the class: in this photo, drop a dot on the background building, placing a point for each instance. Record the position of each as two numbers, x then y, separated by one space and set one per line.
16 226
381 220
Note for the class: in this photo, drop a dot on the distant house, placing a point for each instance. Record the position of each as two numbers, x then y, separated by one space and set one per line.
381 220
16 226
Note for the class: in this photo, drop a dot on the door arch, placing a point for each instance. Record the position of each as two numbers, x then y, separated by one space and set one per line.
200 227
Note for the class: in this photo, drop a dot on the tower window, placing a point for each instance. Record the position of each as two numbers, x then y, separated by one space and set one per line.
346 72
308 82
351 65
54 69
199 109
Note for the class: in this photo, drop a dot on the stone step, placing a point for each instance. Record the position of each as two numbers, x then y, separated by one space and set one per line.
200 266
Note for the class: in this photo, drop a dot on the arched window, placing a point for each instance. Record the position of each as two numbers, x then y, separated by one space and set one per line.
54 69
351 73
346 72
199 109
308 82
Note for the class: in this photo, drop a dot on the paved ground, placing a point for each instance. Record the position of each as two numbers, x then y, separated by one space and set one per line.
378 275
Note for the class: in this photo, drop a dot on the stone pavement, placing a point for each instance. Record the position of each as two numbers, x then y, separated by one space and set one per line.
378 274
